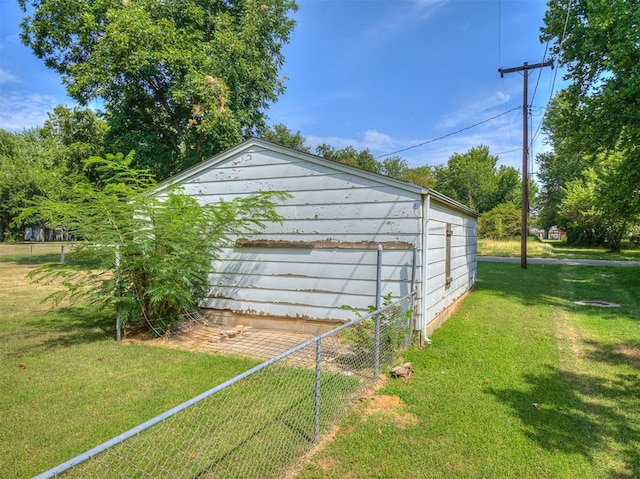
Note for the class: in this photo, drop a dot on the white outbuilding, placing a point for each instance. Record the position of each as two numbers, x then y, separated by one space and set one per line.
324 253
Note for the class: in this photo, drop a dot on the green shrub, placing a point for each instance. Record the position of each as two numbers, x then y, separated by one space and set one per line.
165 241
501 222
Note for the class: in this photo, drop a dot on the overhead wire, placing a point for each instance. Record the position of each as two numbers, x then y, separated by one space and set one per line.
555 73
433 140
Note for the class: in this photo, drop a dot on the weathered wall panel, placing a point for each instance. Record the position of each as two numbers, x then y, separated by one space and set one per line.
463 258
323 255
327 212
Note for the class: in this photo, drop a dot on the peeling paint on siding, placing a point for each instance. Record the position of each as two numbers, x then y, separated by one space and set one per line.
328 243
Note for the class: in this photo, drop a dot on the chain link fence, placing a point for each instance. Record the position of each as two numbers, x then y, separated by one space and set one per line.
260 423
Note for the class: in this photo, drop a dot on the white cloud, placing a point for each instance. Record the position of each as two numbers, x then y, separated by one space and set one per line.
20 110
7 77
399 19
423 9
478 109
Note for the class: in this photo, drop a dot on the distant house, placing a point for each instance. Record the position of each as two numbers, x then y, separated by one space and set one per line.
323 255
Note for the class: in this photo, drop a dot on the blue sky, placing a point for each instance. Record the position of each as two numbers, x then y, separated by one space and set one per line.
380 74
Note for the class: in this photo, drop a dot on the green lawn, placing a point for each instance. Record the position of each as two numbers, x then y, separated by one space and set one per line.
553 249
518 340
67 386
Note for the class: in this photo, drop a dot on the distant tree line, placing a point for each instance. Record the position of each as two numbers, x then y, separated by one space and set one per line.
180 81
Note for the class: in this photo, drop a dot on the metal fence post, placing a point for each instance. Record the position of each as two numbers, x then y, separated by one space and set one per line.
117 280
414 278
316 418
62 254
376 352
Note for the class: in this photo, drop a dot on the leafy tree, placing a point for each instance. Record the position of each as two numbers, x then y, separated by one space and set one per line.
165 239
28 169
421 175
80 133
581 212
394 166
180 79
599 207
502 221
473 179
598 41
281 135
350 156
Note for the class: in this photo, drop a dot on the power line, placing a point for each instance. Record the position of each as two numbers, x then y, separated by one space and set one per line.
544 57
564 33
448 134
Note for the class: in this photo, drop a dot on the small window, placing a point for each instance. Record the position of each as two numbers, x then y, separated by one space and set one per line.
447 258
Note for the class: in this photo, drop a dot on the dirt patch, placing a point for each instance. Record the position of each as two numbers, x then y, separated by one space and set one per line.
326 463
391 408
569 337
243 341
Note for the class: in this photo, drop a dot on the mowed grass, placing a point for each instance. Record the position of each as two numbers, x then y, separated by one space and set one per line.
553 249
66 385
468 411
519 383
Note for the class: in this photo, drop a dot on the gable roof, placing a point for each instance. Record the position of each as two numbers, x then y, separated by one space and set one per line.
260 145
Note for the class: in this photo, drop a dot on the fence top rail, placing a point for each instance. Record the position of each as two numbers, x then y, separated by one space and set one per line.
175 410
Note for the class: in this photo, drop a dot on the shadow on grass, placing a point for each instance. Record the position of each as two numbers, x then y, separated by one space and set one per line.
64 327
581 413
560 285
35 260
621 353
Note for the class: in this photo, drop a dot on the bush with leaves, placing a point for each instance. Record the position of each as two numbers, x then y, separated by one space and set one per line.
164 239
502 221
394 326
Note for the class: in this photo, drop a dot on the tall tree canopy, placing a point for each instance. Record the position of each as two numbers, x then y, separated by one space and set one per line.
79 133
29 167
598 41
594 124
180 79
474 179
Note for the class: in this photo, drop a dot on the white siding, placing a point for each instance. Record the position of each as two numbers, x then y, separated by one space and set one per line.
323 254
463 258
330 217
305 283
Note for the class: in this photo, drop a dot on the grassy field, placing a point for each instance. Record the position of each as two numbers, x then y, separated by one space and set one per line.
66 385
520 383
552 249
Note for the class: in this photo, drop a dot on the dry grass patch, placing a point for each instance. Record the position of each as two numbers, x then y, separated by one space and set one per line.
390 408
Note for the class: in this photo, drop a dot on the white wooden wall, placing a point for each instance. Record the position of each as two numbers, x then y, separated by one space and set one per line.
332 214
323 255
463 257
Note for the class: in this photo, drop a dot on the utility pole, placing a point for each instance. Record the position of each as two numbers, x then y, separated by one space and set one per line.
524 230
